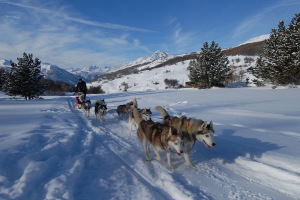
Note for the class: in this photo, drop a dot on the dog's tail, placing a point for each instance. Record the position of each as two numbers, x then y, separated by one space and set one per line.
134 102
136 115
163 112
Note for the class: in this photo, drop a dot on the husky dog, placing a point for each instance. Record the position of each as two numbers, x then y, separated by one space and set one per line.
162 138
192 130
100 109
86 106
124 109
145 113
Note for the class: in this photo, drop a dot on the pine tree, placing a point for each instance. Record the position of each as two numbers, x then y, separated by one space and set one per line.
210 68
279 63
2 76
294 49
24 78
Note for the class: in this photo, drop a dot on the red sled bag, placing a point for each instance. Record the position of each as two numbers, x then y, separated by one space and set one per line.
77 100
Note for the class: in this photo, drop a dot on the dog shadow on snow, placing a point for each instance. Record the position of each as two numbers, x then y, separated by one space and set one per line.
230 146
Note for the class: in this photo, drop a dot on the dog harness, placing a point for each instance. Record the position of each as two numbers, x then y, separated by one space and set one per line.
188 125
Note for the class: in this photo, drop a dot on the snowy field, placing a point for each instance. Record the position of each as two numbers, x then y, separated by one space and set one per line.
49 150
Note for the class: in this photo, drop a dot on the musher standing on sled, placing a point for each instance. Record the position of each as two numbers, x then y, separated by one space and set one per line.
81 87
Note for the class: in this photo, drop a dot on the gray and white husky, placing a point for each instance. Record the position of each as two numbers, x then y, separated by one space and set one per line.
100 109
125 109
86 106
192 129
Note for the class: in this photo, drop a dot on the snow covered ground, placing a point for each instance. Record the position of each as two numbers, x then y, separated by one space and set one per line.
49 150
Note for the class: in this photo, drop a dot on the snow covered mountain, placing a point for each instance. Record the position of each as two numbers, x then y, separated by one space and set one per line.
56 73
154 72
91 72
51 72
257 39
5 64
156 58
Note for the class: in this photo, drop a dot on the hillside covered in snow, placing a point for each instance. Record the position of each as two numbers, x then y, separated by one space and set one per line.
155 72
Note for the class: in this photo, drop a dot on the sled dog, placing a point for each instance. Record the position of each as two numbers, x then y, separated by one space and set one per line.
192 130
145 113
124 109
162 138
86 106
100 109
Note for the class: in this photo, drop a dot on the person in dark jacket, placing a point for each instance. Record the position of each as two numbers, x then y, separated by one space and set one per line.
81 87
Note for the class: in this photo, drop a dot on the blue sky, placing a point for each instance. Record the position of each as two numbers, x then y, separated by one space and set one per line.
80 33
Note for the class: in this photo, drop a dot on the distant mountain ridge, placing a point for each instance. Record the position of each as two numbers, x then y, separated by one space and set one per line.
71 75
89 73
252 47
56 73
157 57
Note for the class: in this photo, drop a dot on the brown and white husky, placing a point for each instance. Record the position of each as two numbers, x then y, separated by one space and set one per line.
162 138
192 130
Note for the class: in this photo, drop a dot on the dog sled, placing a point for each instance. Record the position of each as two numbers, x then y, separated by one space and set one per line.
79 96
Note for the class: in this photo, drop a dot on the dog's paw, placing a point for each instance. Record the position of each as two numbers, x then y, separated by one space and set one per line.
157 158
190 165
171 167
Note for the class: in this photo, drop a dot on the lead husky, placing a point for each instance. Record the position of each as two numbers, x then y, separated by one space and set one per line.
145 113
100 109
192 130
161 138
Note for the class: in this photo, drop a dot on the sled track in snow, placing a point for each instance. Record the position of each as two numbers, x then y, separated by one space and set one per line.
148 173
96 142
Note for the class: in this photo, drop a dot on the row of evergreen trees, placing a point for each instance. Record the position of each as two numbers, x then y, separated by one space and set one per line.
278 64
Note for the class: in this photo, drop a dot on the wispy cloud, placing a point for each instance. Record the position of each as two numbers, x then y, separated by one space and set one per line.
180 39
262 18
76 19
52 36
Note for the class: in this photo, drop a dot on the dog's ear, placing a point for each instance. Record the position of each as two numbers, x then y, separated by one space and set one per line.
181 121
211 125
204 125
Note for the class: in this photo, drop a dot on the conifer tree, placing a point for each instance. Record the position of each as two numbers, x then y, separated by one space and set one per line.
2 76
24 78
210 68
279 62
294 48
